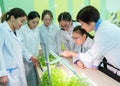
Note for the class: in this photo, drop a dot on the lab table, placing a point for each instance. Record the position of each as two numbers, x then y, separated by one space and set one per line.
95 76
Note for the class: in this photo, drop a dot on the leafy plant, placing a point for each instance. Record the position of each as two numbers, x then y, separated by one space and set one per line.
76 81
42 59
60 78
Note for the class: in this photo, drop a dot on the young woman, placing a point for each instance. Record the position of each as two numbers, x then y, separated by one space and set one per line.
85 40
12 50
64 36
48 31
31 39
106 40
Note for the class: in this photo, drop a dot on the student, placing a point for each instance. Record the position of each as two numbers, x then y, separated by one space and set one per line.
64 36
48 31
12 50
31 39
106 40
81 37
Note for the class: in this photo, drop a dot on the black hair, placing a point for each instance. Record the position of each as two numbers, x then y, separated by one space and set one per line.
88 14
64 16
16 12
32 15
80 30
47 12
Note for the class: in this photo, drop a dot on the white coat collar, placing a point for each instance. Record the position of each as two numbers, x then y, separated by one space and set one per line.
28 28
87 41
48 26
7 27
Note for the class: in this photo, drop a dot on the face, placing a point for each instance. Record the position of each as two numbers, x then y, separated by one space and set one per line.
88 27
66 25
17 23
33 23
47 20
78 38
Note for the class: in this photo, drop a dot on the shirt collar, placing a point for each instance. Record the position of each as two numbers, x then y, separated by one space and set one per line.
97 24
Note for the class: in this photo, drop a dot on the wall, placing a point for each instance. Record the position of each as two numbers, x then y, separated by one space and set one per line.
109 10
27 5
72 6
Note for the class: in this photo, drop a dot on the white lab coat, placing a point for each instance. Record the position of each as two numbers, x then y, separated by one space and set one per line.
47 37
31 41
84 47
65 38
106 43
11 56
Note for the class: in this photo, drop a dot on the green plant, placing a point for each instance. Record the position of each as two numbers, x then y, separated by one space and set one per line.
76 81
42 59
58 78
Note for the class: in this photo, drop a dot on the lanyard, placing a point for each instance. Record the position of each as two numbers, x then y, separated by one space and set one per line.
97 24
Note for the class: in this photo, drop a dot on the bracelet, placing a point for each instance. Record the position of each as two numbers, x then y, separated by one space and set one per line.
76 61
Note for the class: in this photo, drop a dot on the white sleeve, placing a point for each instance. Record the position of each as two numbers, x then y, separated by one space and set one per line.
3 71
58 42
25 53
96 62
102 44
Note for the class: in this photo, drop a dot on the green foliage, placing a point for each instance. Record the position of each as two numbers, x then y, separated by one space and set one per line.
60 78
75 81
42 59
63 47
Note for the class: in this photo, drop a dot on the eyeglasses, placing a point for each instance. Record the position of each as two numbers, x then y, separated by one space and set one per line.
76 38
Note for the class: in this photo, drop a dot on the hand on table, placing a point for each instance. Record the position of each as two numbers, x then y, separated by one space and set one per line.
81 65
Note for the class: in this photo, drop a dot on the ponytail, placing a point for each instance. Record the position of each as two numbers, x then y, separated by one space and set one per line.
16 12
4 17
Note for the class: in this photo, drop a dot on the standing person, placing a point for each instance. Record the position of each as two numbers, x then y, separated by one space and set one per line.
64 36
106 40
12 50
48 31
30 34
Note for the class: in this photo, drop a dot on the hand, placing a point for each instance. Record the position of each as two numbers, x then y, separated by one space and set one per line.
81 65
66 53
35 61
4 80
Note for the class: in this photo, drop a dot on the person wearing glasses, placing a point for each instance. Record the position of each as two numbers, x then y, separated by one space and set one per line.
30 34
48 31
85 40
64 36
106 40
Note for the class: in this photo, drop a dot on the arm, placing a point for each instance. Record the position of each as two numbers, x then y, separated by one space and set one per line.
3 72
58 42
28 57
102 44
